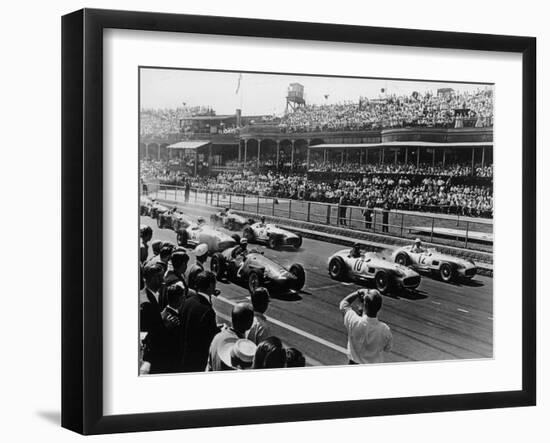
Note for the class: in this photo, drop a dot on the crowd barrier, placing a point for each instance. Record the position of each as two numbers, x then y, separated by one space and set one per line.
446 229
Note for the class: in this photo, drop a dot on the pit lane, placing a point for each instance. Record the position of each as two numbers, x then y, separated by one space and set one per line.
439 321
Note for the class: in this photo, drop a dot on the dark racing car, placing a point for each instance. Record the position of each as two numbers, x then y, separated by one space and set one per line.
254 269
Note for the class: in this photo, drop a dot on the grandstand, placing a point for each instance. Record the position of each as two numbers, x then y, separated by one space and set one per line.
427 152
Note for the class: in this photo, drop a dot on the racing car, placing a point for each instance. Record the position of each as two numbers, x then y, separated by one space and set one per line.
191 234
173 219
271 235
230 220
373 268
156 209
448 268
145 204
255 269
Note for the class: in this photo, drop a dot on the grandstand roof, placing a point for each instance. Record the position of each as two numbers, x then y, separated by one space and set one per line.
403 143
188 145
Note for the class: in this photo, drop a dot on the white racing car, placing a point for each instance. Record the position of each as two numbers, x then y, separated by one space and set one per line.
191 234
273 236
371 267
448 268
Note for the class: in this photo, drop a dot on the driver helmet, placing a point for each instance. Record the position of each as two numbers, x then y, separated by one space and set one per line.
417 241
262 218
243 242
201 220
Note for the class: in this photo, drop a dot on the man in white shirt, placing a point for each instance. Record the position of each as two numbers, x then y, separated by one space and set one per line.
368 338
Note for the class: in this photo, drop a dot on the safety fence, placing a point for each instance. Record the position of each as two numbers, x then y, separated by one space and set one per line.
452 230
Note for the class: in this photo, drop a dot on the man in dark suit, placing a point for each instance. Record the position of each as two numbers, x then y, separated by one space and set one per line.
198 323
154 322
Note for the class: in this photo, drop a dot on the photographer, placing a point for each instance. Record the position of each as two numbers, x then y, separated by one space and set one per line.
368 338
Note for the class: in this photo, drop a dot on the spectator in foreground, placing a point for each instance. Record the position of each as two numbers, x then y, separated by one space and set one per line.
294 358
146 234
242 316
270 354
260 329
368 338
198 323
237 354
154 322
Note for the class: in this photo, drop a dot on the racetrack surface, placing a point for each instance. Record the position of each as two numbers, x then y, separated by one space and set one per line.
439 321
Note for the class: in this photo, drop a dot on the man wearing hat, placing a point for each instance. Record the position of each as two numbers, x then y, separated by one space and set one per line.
242 317
237 354
201 255
417 247
368 338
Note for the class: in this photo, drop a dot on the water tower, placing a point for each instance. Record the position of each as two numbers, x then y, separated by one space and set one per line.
294 97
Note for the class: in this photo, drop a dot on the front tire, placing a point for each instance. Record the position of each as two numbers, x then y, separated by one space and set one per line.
402 259
446 272
182 237
383 282
299 242
337 268
248 233
160 224
298 271
274 243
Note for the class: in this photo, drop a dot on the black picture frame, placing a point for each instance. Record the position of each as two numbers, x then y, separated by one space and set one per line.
82 220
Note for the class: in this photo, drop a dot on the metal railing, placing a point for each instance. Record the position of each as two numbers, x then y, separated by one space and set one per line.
452 230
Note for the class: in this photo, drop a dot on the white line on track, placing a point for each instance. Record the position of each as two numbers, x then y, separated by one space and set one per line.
436 302
310 360
462 310
324 287
346 284
291 328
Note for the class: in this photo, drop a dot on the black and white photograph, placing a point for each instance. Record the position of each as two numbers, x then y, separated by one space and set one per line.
297 220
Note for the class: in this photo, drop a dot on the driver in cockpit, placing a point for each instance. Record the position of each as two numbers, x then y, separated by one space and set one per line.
355 251
417 247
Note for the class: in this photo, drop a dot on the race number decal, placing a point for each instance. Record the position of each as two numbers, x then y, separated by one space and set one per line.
358 265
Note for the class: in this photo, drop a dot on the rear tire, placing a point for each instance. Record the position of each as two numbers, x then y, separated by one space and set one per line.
446 272
182 237
160 224
299 243
402 259
383 282
217 265
337 268
298 271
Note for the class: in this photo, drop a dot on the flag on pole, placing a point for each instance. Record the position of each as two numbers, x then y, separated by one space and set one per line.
239 83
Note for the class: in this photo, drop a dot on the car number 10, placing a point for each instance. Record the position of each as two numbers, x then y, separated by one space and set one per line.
358 265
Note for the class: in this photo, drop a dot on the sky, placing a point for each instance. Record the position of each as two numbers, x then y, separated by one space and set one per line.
260 94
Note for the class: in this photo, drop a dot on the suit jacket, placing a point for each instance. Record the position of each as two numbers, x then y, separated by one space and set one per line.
150 321
198 322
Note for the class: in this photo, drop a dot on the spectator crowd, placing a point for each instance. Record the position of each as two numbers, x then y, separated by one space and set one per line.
452 109
179 331
404 191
